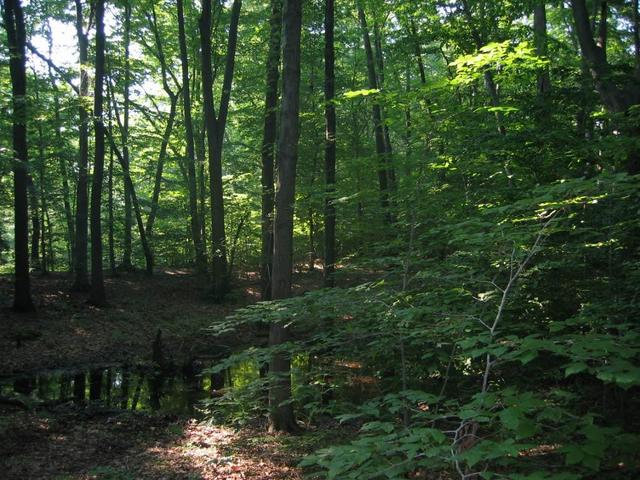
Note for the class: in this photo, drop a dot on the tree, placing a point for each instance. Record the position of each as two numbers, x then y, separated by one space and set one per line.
281 411
330 145
616 97
196 230
124 133
97 295
215 127
381 148
16 36
268 147
81 281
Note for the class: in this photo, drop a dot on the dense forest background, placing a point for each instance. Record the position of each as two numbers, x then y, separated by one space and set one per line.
463 173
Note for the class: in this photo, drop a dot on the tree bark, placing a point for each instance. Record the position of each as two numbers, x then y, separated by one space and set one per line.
540 40
388 149
62 167
201 262
281 410
615 99
127 249
215 127
146 248
110 235
330 145
383 179
35 223
16 37
81 281
97 294
268 146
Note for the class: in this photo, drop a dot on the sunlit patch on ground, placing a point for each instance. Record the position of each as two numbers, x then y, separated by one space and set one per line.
80 446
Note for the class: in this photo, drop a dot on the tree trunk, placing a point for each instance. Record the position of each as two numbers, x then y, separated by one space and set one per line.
148 254
330 145
111 241
617 98
166 73
157 185
540 38
281 410
388 150
127 250
97 294
35 223
201 262
16 38
42 197
62 166
383 179
81 281
215 127
268 147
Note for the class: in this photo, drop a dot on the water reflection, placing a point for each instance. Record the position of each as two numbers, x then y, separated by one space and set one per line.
139 388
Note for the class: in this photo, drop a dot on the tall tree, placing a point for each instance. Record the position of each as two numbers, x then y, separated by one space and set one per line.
97 294
330 145
617 96
268 146
281 410
16 37
196 230
127 249
215 126
540 40
81 280
381 149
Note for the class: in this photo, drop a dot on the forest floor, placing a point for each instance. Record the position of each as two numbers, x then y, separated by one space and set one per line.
67 332
74 443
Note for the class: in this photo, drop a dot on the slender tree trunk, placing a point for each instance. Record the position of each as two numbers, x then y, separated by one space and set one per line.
127 249
81 281
196 230
540 37
146 248
167 74
489 81
157 185
111 240
388 149
215 127
330 145
42 157
97 294
417 52
383 179
268 146
281 410
16 37
35 223
62 166
62 163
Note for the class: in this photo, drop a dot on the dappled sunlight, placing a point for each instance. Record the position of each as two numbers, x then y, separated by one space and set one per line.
218 452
